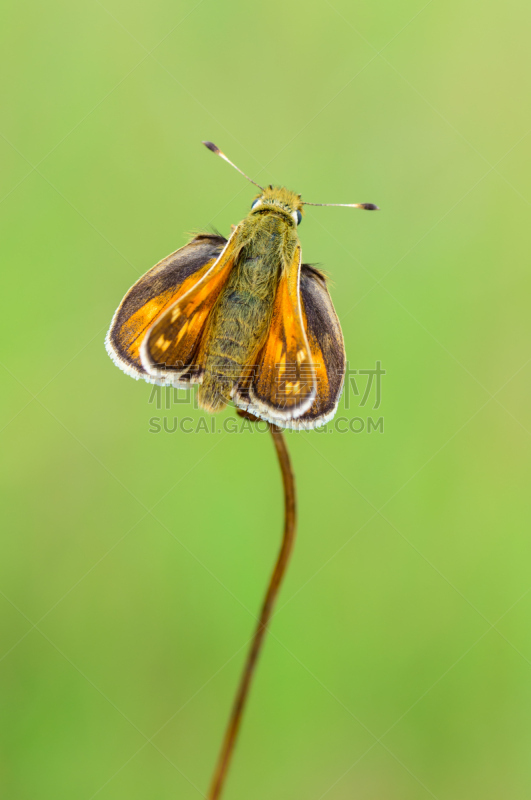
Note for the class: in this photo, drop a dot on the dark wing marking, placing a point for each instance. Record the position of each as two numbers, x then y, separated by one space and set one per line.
326 346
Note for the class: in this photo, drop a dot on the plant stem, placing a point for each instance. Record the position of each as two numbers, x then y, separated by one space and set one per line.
288 539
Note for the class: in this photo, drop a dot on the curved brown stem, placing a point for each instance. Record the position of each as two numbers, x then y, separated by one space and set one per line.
288 539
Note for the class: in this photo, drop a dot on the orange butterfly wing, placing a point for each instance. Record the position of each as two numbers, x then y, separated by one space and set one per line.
171 351
283 387
154 293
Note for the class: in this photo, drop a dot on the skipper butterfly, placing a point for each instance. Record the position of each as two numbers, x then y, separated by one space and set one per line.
242 317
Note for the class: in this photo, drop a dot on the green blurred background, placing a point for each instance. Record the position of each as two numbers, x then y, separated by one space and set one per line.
399 664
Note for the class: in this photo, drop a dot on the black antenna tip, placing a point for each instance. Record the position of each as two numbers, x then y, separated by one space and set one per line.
212 146
369 207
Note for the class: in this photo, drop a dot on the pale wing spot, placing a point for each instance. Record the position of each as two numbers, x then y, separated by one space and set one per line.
162 343
175 313
301 356
292 388
182 332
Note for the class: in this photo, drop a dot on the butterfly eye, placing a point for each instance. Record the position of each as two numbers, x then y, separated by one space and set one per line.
297 216
255 203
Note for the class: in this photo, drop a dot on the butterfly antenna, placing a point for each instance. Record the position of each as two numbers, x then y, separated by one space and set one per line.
365 206
217 151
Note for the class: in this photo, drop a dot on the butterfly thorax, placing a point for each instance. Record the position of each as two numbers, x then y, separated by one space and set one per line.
241 318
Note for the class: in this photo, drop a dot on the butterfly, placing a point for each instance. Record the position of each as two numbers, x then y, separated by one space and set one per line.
242 317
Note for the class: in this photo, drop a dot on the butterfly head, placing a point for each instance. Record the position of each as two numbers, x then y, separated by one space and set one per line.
276 198
282 199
